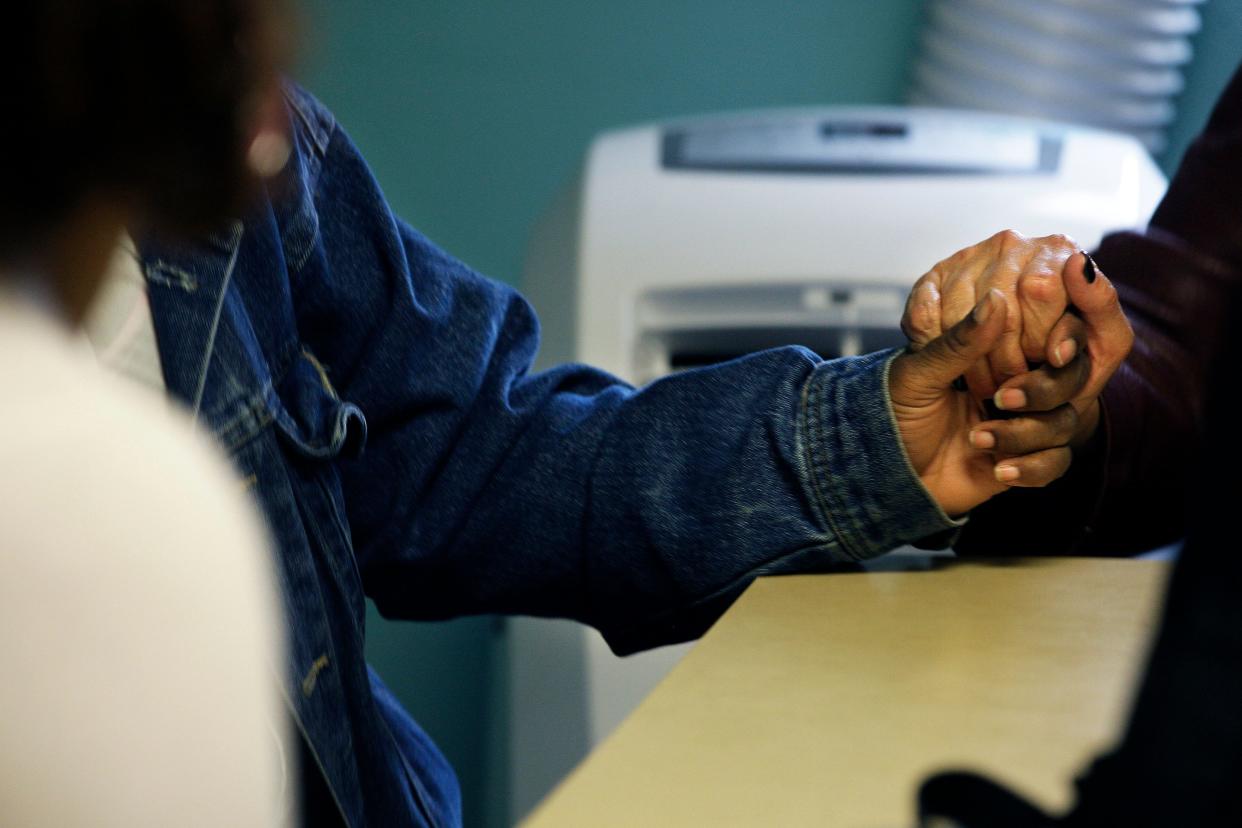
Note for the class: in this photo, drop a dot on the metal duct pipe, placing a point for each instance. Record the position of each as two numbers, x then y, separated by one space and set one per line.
1114 64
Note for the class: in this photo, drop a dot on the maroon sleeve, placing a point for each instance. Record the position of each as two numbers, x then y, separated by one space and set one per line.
1126 491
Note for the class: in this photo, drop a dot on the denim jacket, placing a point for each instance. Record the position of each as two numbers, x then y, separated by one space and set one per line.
376 397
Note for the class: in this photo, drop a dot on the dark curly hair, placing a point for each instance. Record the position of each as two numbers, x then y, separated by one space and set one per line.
150 101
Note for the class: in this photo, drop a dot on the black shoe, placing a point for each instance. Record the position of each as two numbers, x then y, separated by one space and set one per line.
958 799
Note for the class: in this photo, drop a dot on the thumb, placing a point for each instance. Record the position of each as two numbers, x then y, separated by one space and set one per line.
1109 335
1094 296
947 357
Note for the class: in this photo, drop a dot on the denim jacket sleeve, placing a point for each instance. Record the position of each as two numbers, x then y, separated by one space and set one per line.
487 488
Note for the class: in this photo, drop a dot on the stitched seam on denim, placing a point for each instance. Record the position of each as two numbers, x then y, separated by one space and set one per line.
161 272
328 655
320 135
322 138
891 413
806 446
303 255
329 659
282 683
816 449
326 549
259 400
254 415
215 322
312 676
347 540
321 370
309 216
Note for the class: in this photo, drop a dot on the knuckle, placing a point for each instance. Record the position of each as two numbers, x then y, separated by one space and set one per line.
1017 436
967 253
1009 240
1040 390
1062 242
917 333
1033 348
957 338
1040 288
911 305
941 272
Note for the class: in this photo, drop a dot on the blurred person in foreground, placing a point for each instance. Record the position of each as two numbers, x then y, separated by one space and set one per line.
375 398
140 632
1166 469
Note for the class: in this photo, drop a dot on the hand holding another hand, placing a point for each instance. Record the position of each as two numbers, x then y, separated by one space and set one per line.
961 455
1029 275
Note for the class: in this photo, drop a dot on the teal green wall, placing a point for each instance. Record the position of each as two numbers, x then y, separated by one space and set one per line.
473 113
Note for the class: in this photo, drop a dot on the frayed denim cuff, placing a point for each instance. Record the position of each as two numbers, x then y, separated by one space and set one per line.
861 482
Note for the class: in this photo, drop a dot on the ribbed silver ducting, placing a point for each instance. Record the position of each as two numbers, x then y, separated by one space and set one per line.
1115 64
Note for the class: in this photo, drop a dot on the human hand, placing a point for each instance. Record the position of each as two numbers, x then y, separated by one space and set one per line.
1079 348
1029 274
938 424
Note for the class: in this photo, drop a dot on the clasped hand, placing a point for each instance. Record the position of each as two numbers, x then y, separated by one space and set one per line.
1036 330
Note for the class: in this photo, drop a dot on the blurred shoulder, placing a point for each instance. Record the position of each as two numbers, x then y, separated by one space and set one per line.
141 623
77 441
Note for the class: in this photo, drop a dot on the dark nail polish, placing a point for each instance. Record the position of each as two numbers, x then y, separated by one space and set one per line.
1088 266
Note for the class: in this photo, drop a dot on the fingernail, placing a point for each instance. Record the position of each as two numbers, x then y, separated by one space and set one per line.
1006 473
982 439
983 310
1007 399
1088 266
1065 352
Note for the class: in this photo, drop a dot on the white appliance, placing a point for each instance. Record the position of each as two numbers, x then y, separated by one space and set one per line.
692 241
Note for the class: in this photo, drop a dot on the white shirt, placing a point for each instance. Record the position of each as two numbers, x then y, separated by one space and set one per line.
119 325
139 625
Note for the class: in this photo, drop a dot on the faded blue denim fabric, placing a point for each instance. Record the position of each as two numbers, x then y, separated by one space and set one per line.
376 395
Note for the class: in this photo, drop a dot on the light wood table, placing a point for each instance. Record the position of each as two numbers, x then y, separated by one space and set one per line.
824 700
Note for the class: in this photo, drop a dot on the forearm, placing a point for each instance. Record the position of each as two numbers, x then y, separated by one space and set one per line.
789 470
643 513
